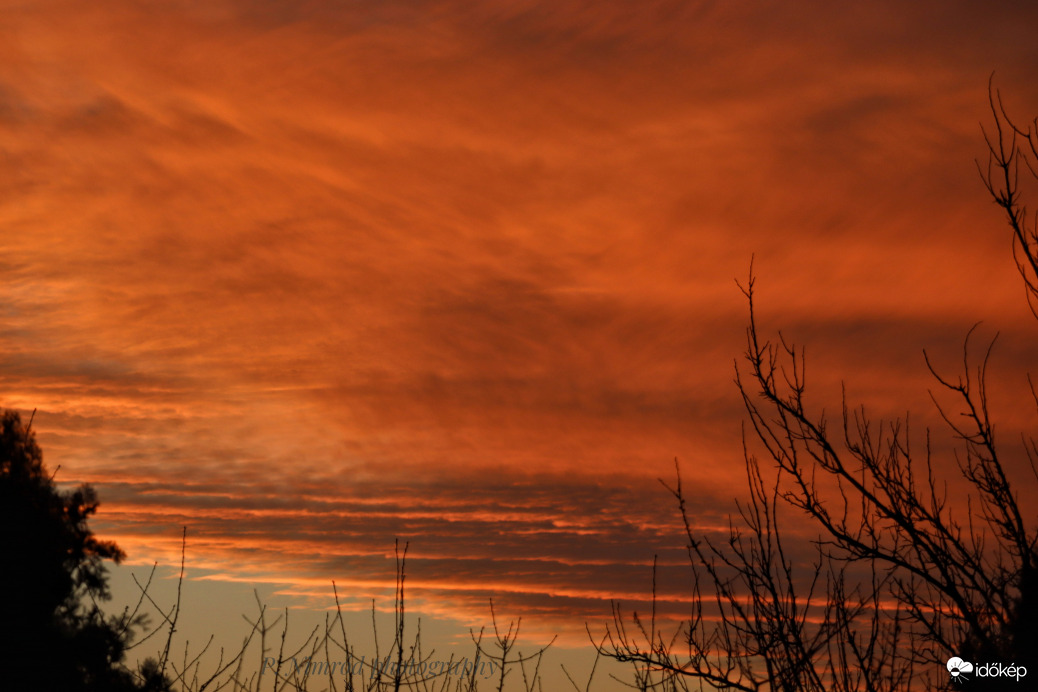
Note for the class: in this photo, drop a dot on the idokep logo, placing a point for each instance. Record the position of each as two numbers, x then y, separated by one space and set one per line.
960 670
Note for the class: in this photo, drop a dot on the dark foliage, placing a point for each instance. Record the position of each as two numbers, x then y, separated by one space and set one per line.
53 633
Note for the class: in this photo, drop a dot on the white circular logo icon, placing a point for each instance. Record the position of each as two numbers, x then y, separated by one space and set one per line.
957 667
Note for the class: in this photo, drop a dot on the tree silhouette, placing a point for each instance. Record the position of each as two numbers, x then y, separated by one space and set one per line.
53 634
898 581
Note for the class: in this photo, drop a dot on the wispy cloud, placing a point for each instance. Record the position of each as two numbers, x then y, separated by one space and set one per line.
306 277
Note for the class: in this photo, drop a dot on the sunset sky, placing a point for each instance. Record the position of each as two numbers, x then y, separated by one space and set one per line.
306 277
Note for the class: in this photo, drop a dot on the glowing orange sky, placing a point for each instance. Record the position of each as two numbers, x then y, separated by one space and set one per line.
306 277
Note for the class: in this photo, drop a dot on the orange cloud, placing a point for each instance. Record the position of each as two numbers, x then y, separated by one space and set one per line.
306 277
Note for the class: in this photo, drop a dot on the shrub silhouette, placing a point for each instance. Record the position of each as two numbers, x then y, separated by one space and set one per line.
53 634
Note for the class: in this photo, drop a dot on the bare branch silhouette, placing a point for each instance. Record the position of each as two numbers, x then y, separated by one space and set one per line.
898 581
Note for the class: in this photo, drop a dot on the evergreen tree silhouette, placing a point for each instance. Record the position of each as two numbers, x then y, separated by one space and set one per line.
53 634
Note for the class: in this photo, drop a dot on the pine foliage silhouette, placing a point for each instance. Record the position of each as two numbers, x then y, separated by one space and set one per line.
53 633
